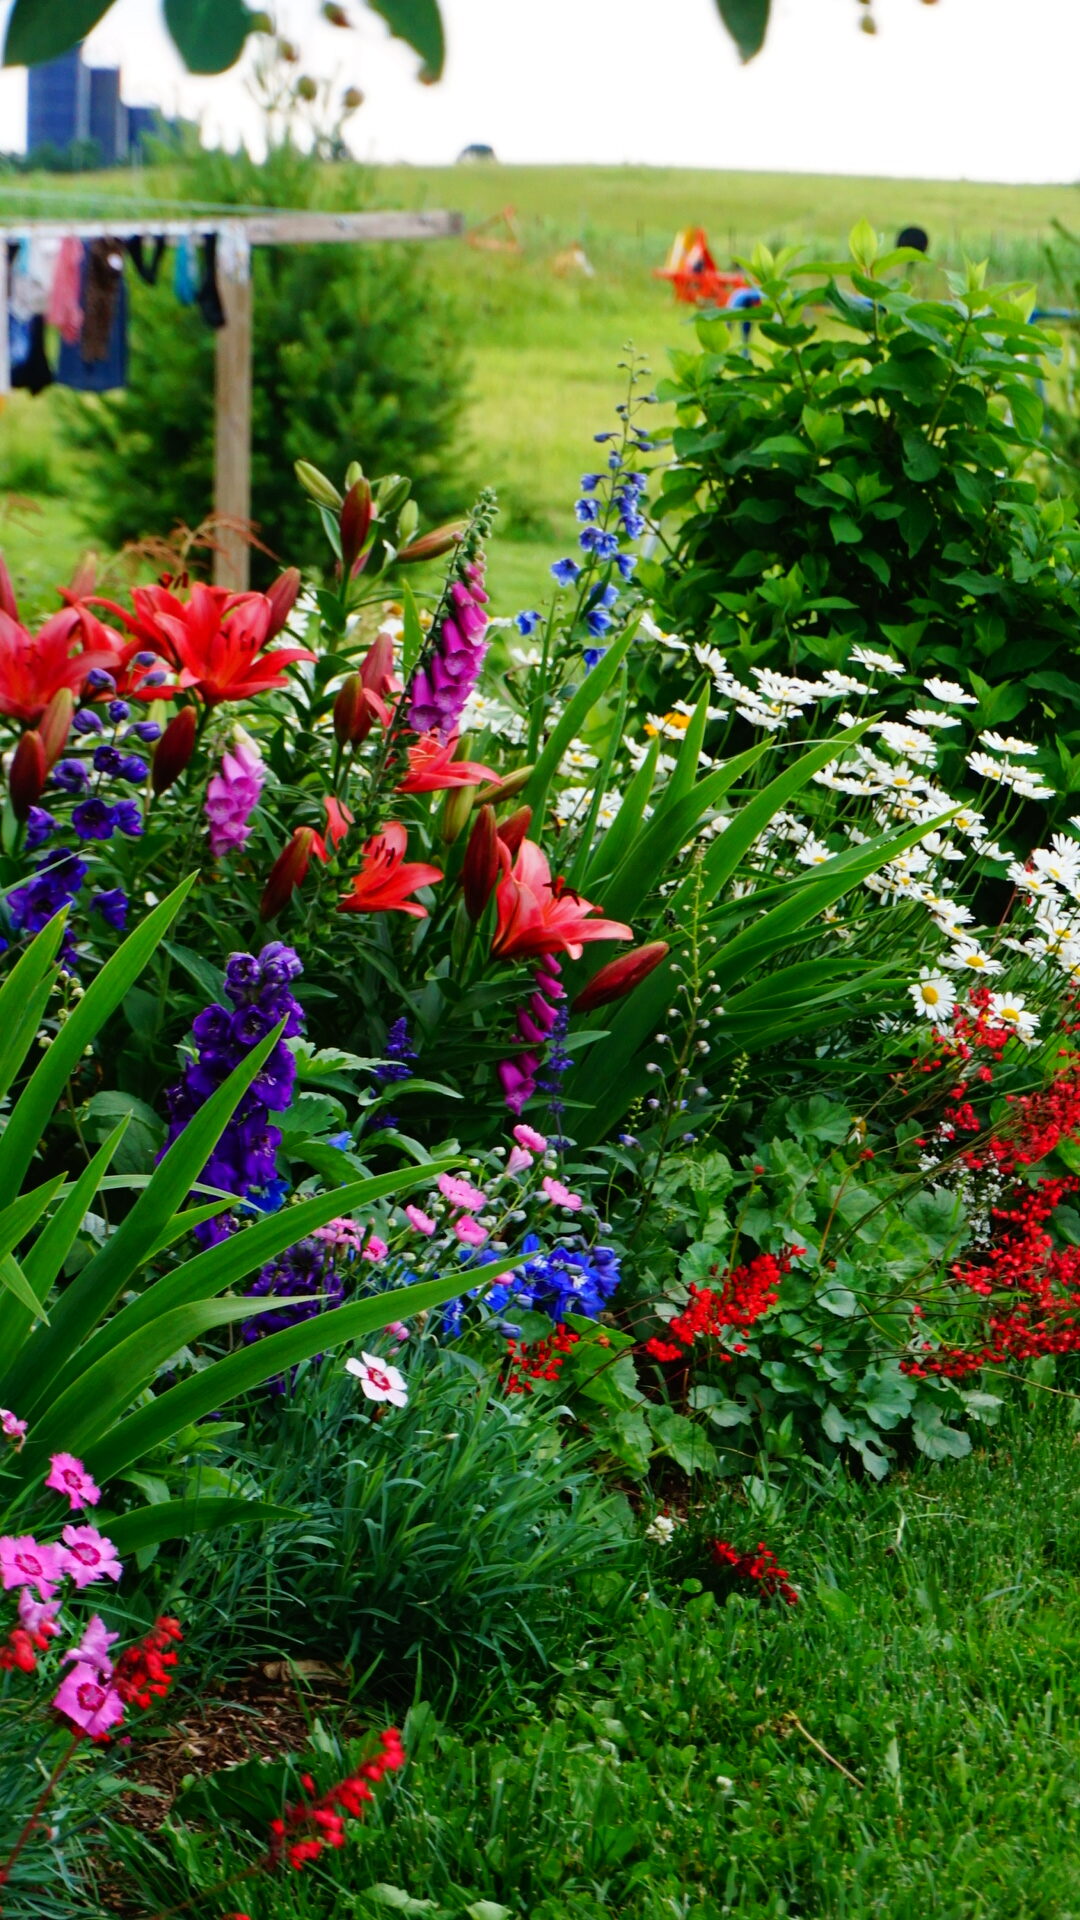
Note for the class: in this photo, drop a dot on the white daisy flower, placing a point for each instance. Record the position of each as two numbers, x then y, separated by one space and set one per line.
834 682
813 853
1004 743
969 957
884 662
918 746
989 850
762 717
941 848
966 820
1010 1011
648 626
1028 789
1059 862
949 693
578 759
783 687
986 768
930 717
933 995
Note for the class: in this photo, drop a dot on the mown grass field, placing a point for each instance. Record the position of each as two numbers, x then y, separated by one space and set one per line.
545 347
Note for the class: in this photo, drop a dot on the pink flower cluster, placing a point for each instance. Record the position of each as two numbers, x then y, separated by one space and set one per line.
233 794
440 689
464 1199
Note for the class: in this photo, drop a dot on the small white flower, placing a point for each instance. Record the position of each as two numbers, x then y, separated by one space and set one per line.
379 1380
949 693
1059 862
762 717
834 682
578 759
933 995
969 822
1004 743
784 687
918 746
813 853
884 662
1028 788
661 1528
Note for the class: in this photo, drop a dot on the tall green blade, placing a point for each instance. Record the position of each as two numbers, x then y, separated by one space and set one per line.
180 1519
51 1248
592 690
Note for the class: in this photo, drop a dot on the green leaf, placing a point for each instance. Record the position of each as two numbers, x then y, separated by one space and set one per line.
412 643
179 1519
52 1246
14 1280
419 24
24 997
747 22
682 1439
209 34
239 1372
839 1606
592 689
39 30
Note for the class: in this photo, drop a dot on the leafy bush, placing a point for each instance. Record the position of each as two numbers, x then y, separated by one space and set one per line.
356 349
869 471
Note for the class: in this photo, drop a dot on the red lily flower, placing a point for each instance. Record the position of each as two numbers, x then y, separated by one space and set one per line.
433 769
33 667
386 878
538 915
214 639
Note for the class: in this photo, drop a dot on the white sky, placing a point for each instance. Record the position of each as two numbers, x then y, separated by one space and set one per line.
964 89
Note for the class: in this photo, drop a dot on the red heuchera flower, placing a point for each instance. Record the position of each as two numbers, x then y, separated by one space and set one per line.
386 879
760 1569
143 1673
316 1822
745 1296
215 639
433 769
538 915
540 1360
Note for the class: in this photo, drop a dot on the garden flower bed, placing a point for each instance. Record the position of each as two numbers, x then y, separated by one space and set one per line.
498 1113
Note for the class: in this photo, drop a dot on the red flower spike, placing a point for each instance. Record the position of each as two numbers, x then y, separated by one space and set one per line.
538 915
309 1825
143 1672
620 976
386 879
538 1360
761 1570
747 1294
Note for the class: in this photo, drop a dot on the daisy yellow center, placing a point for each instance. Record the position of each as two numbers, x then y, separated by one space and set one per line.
931 996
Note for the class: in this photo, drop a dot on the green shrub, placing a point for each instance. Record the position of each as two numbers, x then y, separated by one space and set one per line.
357 354
867 472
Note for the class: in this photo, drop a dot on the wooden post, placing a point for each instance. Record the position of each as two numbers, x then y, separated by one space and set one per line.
232 420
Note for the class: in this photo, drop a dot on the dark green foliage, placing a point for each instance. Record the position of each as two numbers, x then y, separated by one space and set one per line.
866 476
451 1538
357 356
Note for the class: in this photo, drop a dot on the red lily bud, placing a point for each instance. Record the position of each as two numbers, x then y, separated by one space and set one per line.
353 718
174 749
513 784
513 829
480 870
431 545
55 724
377 666
354 522
620 976
289 869
8 603
26 779
282 597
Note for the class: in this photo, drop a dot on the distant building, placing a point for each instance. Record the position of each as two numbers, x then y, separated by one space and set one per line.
477 151
69 104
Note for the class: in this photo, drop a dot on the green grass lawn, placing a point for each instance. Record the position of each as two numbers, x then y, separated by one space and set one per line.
545 349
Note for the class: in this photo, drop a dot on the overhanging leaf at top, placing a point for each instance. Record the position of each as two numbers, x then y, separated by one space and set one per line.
419 24
747 22
209 34
40 30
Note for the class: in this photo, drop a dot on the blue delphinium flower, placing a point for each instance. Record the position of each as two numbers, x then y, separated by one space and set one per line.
595 540
626 562
71 776
526 623
398 1055
87 720
40 825
53 886
597 621
94 819
590 482
565 572
592 656
587 511
145 730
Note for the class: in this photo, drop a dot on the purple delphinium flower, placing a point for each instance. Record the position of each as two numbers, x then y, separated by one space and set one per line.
94 819
112 904
233 794
440 688
87 720
398 1053
526 623
306 1276
40 824
128 818
70 775
245 1157
592 656
53 886
145 730
565 572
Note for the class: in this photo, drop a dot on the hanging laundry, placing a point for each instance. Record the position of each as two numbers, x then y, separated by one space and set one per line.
98 361
32 276
30 367
208 297
146 269
184 271
64 309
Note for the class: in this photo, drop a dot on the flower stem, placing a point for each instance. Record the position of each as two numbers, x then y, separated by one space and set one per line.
37 1809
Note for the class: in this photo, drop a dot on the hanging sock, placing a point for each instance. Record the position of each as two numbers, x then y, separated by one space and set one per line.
32 278
208 297
147 270
30 365
64 309
184 271
101 289
108 369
